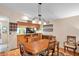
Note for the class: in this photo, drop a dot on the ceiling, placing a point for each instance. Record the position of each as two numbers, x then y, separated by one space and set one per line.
50 11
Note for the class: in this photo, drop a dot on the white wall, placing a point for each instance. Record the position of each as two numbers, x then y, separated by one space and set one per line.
64 27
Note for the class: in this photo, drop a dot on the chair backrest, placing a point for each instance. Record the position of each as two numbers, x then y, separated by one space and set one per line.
45 36
36 36
71 40
51 44
50 37
53 38
21 49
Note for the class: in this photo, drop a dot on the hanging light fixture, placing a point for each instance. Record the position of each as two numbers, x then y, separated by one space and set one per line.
44 23
39 18
39 13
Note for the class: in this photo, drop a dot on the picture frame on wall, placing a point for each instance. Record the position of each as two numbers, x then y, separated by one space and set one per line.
48 28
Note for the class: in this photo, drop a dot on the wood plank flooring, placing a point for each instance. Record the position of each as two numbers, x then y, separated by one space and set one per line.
16 52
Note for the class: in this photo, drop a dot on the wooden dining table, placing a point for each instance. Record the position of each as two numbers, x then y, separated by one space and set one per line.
37 46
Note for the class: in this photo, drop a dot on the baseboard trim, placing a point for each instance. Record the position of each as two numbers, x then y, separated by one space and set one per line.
14 49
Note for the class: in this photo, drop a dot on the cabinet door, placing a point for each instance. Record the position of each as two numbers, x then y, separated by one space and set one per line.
12 42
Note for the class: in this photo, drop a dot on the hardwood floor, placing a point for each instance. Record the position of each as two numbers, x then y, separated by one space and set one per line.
16 52
68 53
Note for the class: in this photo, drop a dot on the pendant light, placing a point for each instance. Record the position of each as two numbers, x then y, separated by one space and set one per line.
39 17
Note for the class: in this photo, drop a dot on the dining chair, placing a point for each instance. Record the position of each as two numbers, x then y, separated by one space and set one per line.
22 50
51 45
70 43
36 36
51 48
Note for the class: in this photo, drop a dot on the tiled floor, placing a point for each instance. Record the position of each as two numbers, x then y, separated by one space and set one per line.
16 52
